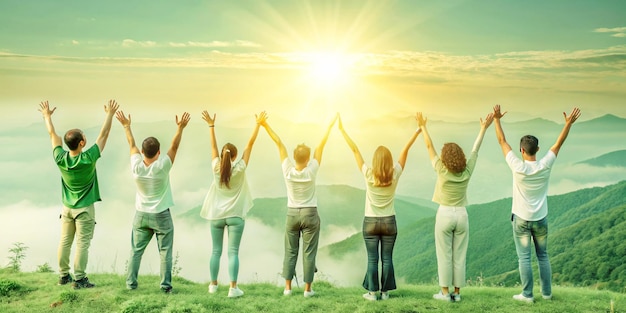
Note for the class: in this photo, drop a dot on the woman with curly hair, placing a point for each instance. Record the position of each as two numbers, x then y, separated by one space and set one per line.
451 225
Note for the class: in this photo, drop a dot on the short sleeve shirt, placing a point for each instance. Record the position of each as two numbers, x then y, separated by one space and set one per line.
79 180
154 194
530 185
223 202
300 184
451 188
379 199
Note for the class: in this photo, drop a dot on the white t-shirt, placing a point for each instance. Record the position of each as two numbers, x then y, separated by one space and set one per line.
379 200
530 185
222 202
154 194
300 184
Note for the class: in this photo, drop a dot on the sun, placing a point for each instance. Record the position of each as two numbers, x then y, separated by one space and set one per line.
328 69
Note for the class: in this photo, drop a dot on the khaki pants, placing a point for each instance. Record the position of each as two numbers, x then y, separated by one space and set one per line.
79 224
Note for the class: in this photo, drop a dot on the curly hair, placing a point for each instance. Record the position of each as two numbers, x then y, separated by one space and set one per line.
453 157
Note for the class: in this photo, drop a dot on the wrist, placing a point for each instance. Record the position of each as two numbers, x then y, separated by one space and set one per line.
212 125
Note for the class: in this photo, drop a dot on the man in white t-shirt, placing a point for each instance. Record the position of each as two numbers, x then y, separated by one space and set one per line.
530 203
302 217
152 201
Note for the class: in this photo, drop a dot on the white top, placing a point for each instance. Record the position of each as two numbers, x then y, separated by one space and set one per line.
379 200
222 202
530 185
300 184
154 194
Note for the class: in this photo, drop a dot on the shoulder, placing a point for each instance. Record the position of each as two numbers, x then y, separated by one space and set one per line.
93 151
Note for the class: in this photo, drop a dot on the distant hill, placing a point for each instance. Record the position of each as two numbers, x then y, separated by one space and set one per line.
615 158
589 222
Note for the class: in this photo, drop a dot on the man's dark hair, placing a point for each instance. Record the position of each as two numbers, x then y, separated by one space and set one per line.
150 147
530 144
72 138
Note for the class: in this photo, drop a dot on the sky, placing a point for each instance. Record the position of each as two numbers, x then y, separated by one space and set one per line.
376 62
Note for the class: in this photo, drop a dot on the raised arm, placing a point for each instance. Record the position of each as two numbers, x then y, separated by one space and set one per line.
44 108
405 151
497 115
569 121
260 119
421 122
282 151
211 122
184 119
483 129
109 109
129 134
352 145
317 155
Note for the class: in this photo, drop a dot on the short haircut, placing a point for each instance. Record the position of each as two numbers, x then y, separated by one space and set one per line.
301 153
73 137
453 158
150 147
530 144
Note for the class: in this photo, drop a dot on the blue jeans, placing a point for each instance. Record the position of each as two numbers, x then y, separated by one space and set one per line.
145 225
235 226
303 221
523 232
379 231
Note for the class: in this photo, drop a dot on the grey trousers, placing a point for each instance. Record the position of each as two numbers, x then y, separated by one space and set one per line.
303 222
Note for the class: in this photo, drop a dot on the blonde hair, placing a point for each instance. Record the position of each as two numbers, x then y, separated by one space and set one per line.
453 157
382 167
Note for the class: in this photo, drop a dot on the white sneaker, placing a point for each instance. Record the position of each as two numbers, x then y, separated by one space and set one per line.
455 297
549 297
370 296
235 292
521 297
287 292
441 296
308 294
384 295
212 288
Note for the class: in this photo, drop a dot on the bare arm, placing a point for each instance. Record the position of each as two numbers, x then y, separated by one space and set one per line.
569 121
211 122
282 151
352 145
483 129
260 119
184 119
44 108
320 148
405 152
421 122
129 134
109 109
497 115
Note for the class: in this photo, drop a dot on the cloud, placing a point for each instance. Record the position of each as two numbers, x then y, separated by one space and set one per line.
75 42
215 44
132 43
619 32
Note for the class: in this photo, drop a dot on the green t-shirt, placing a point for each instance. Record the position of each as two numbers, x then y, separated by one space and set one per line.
451 188
79 182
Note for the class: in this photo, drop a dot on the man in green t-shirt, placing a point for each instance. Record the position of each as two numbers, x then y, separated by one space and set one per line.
79 186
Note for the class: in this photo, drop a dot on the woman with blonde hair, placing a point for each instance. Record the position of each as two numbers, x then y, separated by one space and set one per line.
227 203
379 223
451 224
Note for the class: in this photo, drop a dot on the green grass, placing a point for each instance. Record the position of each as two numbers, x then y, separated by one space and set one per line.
38 292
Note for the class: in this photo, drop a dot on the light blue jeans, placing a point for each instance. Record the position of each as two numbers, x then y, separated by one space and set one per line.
523 233
145 225
235 226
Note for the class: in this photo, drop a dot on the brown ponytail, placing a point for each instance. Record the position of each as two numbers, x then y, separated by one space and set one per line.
228 151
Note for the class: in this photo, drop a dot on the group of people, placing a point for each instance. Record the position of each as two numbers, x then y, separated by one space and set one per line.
229 199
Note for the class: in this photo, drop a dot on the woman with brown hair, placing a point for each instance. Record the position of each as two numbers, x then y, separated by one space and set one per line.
451 225
379 224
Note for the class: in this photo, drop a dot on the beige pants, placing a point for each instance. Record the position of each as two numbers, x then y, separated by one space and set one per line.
79 224
451 241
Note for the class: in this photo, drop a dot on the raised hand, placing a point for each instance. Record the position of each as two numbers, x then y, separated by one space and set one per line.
111 107
339 122
488 120
123 120
261 118
183 120
44 108
572 117
496 112
207 117
421 120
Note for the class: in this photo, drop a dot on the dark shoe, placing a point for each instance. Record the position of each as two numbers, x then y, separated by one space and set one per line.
166 290
65 279
82 283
